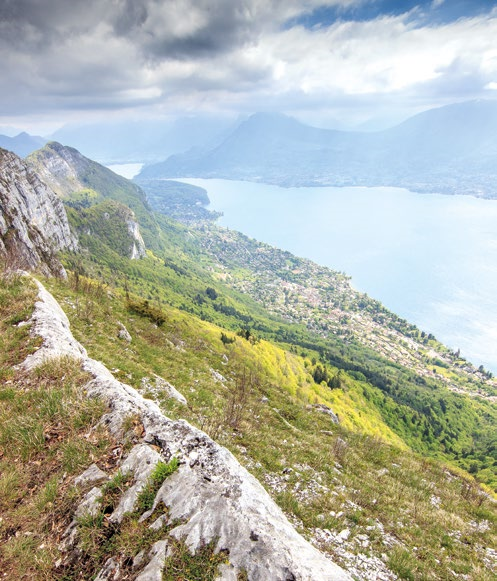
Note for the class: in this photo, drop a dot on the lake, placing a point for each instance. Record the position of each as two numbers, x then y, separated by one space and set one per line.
432 259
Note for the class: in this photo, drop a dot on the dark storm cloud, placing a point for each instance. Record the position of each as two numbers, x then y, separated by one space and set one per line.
31 24
182 29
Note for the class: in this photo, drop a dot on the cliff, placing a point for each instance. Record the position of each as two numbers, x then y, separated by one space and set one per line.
83 183
33 221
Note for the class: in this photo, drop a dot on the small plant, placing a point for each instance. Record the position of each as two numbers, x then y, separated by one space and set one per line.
227 340
161 471
201 566
145 309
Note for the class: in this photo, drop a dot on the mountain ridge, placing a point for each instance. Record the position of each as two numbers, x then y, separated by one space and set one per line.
22 144
450 150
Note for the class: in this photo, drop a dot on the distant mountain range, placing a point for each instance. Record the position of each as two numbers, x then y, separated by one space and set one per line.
144 141
22 144
452 149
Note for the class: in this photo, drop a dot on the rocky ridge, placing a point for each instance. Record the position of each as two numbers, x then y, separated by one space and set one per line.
83 182
212 497
33 221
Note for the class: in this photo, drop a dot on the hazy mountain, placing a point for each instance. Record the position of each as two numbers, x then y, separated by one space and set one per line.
22 144
452 149
143 141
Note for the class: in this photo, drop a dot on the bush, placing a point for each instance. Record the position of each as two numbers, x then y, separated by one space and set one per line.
145 309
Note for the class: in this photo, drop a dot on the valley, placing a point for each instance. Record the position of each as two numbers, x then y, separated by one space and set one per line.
317 389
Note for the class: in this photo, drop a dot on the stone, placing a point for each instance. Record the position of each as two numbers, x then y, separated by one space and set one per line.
213 497
324 409
33 221
123 333
162 386
111 571
90 475
157 555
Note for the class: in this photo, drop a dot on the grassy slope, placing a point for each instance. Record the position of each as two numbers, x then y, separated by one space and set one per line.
356 476
261 410
326 477
420 410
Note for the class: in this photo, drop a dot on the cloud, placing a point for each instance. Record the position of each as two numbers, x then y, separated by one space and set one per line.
245 55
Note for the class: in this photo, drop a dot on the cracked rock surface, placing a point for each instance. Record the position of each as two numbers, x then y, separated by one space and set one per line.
33 221
211 494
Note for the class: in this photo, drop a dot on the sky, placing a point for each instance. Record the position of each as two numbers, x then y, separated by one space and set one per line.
331 63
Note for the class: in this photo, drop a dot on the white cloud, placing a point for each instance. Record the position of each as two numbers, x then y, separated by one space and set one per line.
219 53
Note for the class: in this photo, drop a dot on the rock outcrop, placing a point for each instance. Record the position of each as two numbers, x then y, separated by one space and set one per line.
138 249
213 497
33 221
63 168
80 180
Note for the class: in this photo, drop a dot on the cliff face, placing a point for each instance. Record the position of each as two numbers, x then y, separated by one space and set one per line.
33 221
74 178
59 167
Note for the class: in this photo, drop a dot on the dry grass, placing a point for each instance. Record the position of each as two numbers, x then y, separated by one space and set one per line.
46 438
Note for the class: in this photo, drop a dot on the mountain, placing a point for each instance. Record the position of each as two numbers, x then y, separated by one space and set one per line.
452 149
100 193
22 144
33 222
372 438
143 141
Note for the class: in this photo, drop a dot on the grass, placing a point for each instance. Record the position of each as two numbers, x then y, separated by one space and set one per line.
341 476
44 441
161 471
202 565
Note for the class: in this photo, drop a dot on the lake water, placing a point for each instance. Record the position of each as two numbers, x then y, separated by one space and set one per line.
127 170
432 259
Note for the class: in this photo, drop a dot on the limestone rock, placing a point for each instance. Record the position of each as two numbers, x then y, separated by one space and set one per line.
162 386
213 495
33 221
157 555
123 333
90 475
324 409
138 249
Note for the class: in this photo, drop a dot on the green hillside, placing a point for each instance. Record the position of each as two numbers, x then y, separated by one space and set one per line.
270 350
426 395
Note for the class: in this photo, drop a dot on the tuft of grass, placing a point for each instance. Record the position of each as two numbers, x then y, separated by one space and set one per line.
201 566
161 471
402 563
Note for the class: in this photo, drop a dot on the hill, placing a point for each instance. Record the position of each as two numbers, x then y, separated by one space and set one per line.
361 427
450 150
87 187
22 144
